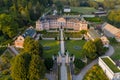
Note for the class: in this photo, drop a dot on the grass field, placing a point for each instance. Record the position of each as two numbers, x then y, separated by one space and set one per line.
84 10
54 47
70 47
116 55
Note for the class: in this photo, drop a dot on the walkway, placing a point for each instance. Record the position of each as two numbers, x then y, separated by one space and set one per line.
62 42
63 68
85 69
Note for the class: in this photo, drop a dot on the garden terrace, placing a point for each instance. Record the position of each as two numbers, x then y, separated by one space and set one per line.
50 35
111 65
75 47
51 47
73 34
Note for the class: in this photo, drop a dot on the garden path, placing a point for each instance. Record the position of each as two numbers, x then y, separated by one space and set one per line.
63 68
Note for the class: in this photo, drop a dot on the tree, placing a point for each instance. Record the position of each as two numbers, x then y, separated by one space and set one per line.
37 68
7 25
78 63
83 32
32 46
89 49
48 63
20 67
99 46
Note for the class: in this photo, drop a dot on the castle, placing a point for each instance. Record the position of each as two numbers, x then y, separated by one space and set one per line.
51 22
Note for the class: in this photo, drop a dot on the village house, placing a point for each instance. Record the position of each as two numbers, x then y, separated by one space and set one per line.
111 31
54 22
109 67
19 42
93 34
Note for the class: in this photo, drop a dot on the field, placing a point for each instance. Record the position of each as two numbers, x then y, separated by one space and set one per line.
53 45
71 44
83 10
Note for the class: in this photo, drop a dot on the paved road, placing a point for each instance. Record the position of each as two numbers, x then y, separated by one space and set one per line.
85 69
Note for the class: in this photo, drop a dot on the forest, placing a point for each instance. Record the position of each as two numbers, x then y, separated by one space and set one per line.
15 14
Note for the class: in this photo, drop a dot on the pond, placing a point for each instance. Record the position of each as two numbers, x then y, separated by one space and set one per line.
77 47
46 47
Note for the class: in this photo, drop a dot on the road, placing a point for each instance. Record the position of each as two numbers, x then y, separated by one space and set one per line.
85 69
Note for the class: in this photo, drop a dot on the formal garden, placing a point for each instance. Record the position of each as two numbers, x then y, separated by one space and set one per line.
75 47
51 47
50 35
95 73
73 34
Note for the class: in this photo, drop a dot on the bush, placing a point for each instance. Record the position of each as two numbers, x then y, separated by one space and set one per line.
6 72
68 38
48 63
55 38
79 64
40 38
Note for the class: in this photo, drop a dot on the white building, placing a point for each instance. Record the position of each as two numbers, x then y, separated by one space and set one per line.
67 9
109 67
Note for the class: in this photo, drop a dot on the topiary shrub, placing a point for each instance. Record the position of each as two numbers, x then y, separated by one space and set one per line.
68 38
79 64
48 63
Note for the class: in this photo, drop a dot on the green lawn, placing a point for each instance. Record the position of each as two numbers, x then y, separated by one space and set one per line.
54 47
111 65
50 35
84 10
116 55
73 34
70 46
